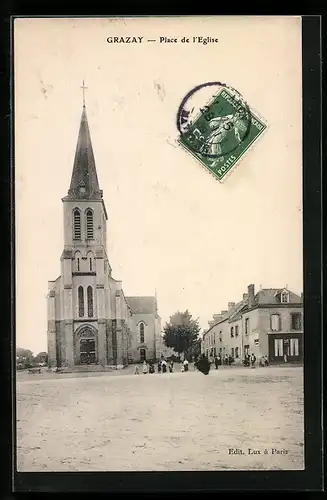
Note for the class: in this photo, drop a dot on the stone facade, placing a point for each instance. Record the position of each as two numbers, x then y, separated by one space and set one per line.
269 323
91 324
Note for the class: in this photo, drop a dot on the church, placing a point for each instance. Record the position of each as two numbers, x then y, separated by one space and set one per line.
92 325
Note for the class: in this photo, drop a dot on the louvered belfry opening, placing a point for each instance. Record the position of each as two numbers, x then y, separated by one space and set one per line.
77 225
89 225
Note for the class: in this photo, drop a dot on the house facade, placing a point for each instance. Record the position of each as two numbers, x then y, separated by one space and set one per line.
266 323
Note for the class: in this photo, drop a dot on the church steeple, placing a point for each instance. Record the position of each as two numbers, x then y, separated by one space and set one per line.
84 182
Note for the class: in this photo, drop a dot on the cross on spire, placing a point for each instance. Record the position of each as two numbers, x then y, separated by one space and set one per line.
84 88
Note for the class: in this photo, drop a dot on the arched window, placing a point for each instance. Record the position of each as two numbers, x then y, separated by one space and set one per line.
77 224
90 261
77 258
89 225
141 333
89 302
80 301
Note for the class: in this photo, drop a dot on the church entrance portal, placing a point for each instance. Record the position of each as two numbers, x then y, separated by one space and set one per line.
87 351
86 346
142 354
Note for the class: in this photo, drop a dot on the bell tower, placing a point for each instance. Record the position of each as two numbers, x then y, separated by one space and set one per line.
84 264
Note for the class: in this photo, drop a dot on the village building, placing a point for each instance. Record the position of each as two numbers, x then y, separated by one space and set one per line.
266 323
92 325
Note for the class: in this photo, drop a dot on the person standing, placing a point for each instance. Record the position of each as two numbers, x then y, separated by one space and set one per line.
171 366
164 366
185 363
247 360
151 367
145 367
203 364
216 362
266 360
253 360
159 366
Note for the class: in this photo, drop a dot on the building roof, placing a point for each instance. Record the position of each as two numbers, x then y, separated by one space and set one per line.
272 296
145 305
265 296
84 182
236 312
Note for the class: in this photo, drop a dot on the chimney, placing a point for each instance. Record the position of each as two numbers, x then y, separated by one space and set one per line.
250 296
245 296
231 305
217 317
224 312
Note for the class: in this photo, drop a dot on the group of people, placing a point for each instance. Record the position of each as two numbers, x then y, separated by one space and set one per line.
218 360
250 360
202 363
162 366
264 361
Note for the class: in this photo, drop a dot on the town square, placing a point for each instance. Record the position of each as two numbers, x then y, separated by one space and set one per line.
172 421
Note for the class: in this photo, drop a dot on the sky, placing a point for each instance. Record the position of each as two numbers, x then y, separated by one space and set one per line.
172 227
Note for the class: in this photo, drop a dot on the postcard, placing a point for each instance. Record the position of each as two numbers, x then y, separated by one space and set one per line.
159 254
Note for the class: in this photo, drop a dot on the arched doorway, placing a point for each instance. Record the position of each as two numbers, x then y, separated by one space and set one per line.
142 354
86 347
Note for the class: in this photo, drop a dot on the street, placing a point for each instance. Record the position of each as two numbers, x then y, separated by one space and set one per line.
235 418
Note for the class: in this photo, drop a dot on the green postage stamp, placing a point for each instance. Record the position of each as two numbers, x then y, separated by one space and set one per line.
221 132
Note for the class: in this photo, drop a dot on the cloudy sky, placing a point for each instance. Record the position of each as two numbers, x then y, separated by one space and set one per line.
172 227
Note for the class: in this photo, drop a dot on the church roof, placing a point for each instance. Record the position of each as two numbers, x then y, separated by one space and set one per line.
84 182
145 305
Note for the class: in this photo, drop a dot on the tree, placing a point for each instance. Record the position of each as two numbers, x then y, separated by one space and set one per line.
41 357
195 350
24 358
181 332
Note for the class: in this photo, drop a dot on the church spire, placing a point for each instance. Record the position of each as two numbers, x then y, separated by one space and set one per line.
84 182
